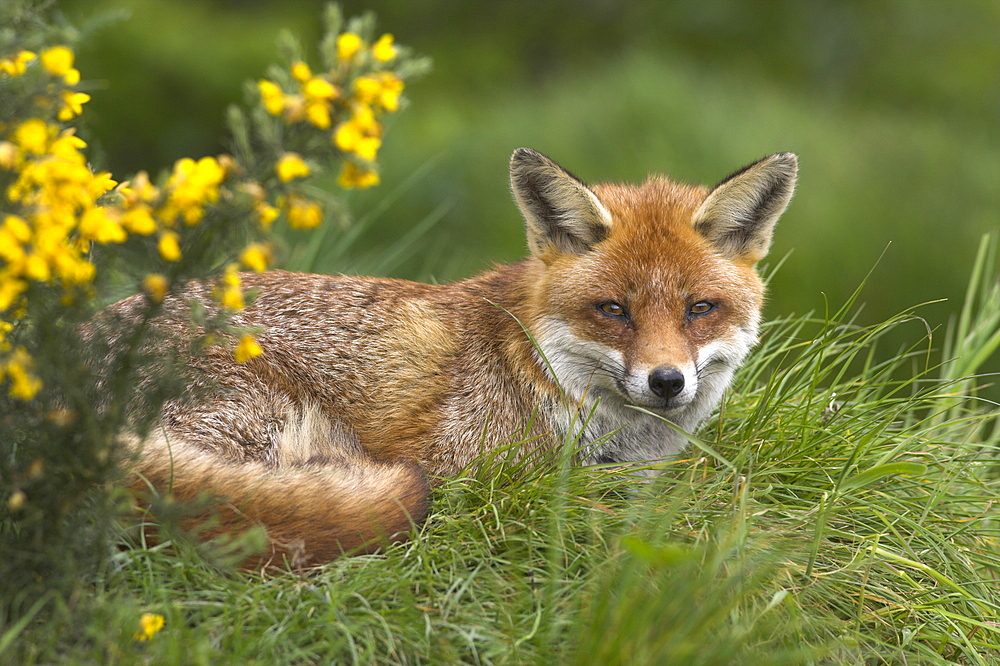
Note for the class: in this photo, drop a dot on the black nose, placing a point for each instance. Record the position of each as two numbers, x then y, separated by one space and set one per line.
666 382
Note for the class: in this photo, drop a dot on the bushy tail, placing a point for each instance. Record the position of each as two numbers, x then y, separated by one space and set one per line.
313 511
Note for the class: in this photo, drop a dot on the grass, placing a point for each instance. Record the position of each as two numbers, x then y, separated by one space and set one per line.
841 509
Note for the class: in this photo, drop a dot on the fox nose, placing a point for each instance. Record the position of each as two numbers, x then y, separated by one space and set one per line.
666 382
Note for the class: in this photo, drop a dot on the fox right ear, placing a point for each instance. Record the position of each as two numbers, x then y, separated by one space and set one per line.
560 212
739 214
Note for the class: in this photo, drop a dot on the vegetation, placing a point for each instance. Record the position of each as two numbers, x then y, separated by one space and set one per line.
841 508
70 237
890 104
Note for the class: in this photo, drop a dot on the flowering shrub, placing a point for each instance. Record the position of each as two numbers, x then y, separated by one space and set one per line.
70 235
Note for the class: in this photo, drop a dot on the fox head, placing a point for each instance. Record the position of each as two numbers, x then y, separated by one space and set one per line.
647 295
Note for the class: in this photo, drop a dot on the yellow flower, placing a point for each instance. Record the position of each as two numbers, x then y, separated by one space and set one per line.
301 72
23 382
232 298
11 249
139 220
272 96
169 247
303 213
156 285
367 148
149 625
318 113
191 186
318 93
348 44
247 349
10 291
99 224
392 88
354 176
203 174
290 167
33 136
383 50
256 256
36 268
353 137
72 104
231 295
139 189
382 90
363 116
24 385
17 228
266 214
8 155
72 77
68 146
361 134
57 60
16 500
367 89
24 57
17 65
319 89
99 184
73 270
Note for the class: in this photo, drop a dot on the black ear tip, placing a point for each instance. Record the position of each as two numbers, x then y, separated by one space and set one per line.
527 156
789 160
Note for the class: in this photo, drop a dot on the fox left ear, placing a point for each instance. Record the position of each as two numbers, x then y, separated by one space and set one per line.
560 212
739 214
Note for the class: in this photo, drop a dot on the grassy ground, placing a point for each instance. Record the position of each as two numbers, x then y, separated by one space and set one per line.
840 510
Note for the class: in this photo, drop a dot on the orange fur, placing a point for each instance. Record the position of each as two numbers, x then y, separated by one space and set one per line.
367 385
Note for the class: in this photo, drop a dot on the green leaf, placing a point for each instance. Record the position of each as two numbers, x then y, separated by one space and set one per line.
878 472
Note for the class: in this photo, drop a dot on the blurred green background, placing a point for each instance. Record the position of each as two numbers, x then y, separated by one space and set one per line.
892 106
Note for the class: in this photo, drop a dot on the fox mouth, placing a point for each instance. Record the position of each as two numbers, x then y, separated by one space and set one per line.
659 406
667 408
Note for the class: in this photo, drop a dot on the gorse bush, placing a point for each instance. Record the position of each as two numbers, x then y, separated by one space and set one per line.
70 237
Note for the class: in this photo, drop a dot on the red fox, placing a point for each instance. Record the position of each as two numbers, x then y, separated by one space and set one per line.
633 296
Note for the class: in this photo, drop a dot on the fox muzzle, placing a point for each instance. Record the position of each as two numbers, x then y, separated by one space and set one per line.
666 381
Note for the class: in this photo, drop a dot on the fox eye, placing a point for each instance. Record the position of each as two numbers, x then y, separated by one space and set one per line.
701 307
612 309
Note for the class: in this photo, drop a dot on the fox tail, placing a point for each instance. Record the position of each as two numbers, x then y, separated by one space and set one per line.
313 510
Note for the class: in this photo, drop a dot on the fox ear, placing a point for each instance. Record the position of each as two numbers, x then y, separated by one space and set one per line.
560 212
739 214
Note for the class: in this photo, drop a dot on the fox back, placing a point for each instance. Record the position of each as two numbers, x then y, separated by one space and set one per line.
634 309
